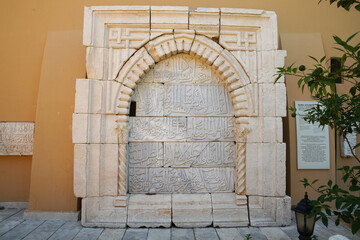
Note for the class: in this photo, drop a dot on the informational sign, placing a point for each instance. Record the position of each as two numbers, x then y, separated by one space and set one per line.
313 150
345 148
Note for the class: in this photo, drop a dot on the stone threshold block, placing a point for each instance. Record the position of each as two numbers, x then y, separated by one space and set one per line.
192 210
269 211
149 210
103 212
228 212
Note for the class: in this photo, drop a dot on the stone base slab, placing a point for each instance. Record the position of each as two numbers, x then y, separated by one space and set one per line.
185 210
14 204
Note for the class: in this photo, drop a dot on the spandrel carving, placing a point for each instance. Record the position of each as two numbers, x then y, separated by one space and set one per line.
211 129
146 154
197 100
199 154
158 129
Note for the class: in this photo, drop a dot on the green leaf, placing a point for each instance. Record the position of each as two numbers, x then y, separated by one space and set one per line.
329 183
324 220
338 40
313 59
354 188
353 91
315 181
322 59
356 224
357 7
352 36
333 87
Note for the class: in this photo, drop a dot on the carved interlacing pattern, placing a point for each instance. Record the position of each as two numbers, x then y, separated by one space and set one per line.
240 168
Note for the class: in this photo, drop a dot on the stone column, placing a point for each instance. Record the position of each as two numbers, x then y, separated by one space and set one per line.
240 137
123 135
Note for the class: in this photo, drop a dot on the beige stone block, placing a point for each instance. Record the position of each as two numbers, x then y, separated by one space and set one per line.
96 62
89 95
169 17
226 213
146 154
181 180
86 128
205 49
200 154
133 70
184 40
121 201
93 170
265 169
111 96
210 129
100 212
149 98
262 129
80 162
263 21
149 210
98 18
162 47
191 210
281 102
157 129
117 57
109 170
197 100
269 211
205 21
154 33
82 96
267 99
269 61
109 133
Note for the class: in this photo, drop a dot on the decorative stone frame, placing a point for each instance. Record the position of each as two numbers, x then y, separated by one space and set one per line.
123 43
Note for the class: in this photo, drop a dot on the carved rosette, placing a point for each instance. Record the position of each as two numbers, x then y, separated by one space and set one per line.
123 136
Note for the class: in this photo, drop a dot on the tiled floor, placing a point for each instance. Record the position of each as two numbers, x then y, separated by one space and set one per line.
13 226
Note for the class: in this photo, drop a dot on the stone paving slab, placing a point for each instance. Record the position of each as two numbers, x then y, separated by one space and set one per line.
67 231
13 226
229 234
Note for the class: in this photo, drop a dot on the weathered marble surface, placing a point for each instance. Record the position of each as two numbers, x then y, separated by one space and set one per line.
146 154
149 210
197 100
210 129
16 138
181 180
158 129
199 154
191 210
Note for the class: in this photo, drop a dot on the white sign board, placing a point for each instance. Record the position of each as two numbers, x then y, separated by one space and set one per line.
313 151
345 148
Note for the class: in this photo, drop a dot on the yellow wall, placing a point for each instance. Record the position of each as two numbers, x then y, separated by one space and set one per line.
41 55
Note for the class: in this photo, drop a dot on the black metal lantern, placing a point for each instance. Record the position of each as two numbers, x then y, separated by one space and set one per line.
305 225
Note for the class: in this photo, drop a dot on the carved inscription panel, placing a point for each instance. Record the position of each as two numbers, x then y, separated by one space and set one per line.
181 180
16 138
181 139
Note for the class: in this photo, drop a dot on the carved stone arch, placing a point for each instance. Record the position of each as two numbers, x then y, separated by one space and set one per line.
222 62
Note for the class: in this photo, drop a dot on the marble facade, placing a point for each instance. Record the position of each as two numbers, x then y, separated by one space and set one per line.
179 120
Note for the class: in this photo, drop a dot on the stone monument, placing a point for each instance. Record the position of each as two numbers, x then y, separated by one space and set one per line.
179 120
